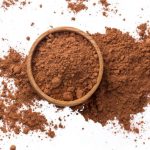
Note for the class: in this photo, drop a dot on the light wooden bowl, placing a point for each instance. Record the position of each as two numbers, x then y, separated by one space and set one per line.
36 87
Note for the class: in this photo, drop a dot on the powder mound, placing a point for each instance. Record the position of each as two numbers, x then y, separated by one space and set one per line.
77 6
125 85
65 66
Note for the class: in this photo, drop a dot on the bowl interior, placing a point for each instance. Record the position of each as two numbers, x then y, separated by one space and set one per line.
36 87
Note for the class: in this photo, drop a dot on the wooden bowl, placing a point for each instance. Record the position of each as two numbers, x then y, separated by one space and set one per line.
36 87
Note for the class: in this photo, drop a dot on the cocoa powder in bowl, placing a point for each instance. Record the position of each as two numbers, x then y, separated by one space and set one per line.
65 65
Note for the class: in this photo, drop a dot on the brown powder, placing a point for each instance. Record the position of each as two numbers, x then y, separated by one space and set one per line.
28 38
51 133
104 3
8 3
77 6
32 24
105 8
65 66
13 147
122 93
142 30
73 18
41 6
125 84
28 120
13 66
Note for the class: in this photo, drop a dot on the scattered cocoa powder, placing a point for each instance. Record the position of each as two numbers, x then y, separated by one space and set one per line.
13 66
12 147
41 6
105 8
125 84
32 24
142 30
104 3
65 66
73 18
8 3
104 13
77 6
51 133
28 38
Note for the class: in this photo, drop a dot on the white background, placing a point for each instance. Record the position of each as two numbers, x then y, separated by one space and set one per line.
15 26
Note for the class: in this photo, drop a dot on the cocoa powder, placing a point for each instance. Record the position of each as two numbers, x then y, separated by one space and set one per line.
12 147
13 66
123 92
80 5
142 30
77 6
125 85
105 8
65 66
104 3
8 3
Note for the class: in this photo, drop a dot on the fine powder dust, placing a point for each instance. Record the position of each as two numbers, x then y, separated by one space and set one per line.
65 66
123 91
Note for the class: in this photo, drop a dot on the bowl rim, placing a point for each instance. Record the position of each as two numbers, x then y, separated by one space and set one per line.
57 102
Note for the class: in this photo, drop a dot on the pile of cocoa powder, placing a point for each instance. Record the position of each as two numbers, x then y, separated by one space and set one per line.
65 65
122 93
125 85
